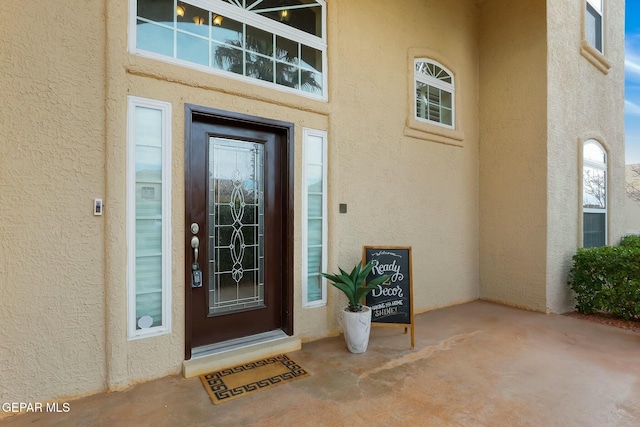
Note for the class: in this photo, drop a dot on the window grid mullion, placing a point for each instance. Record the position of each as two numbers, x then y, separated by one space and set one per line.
247 19
261 22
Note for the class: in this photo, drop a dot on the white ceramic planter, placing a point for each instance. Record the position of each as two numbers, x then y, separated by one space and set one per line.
357 327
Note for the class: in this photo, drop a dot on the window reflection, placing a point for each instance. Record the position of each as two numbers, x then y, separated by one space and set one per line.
304 15
210 39
594 195
592 151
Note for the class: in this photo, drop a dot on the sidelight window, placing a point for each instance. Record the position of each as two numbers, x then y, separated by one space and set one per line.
314 206
148 217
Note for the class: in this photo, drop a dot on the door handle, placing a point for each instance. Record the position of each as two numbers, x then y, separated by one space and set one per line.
195 243
196 273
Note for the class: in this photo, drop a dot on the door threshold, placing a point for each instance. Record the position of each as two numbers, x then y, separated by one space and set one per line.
238 351
234 344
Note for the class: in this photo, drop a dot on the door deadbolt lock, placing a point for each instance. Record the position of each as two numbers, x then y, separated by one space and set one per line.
195 228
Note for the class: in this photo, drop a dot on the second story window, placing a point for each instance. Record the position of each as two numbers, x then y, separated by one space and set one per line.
277 43
593 23
434 88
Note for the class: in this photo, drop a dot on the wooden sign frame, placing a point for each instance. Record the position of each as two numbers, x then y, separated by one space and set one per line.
392 251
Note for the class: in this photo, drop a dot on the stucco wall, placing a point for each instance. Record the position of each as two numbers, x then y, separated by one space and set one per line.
52 152
631 206
583 103
403 190
379 172
427 184
632 216
131 361
513 152
471 202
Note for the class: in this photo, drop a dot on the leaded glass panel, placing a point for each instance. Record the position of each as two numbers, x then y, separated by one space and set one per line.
236 225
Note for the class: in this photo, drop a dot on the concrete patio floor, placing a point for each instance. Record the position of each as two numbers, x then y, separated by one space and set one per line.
475 364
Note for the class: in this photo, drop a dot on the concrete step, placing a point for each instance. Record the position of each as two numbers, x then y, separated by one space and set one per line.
237 352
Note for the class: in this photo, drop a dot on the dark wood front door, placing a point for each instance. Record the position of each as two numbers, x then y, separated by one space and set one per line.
238 217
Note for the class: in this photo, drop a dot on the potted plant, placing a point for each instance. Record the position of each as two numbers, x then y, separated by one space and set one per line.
356 317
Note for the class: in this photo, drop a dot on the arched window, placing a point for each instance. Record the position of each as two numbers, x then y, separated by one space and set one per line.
435 89
278 43
594 195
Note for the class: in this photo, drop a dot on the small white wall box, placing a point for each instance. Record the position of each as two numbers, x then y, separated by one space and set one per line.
97 206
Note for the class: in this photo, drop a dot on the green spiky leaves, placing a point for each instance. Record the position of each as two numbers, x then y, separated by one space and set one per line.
352 284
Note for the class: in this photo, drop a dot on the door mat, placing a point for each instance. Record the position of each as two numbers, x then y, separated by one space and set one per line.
229 384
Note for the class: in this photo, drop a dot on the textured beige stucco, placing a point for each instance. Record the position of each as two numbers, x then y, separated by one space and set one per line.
631 206
542 94
583 103
52 154
403 190
484 206
513 152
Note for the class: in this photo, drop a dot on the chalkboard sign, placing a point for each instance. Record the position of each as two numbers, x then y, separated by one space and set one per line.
392 303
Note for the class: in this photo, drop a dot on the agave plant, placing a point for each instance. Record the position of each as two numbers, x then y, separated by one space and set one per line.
352 284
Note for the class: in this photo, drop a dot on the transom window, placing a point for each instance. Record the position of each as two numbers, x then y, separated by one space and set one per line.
434 87
278 43
593 23
594 195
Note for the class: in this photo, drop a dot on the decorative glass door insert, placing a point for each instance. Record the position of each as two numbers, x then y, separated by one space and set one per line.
236 225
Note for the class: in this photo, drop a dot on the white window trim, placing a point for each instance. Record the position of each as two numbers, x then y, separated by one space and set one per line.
423 130
596 57
306 133
432 81
598 6
165 328
261 22
603 167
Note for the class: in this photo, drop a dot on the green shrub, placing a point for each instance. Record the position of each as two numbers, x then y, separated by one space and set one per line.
632 240
607 279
